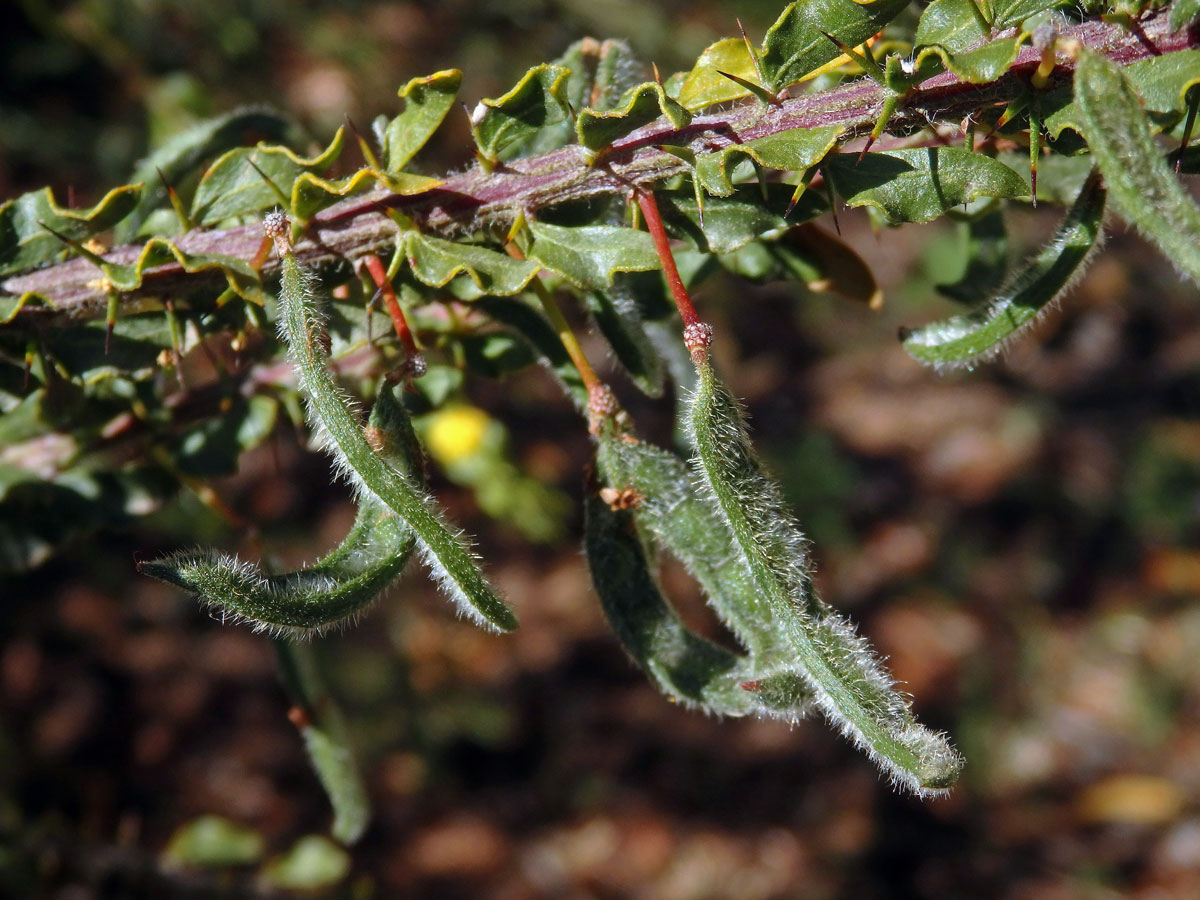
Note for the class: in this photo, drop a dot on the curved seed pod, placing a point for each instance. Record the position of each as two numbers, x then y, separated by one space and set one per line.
332 590
984 331
849 684
656 486
445 552
692 670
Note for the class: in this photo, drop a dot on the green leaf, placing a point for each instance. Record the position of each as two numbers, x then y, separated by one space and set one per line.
426 102
476 270
311 194
919 185
238 273
1012 12
1162 83
181 156
618 314
705 85
590 256
313 863
1142 186
537 101
986 253
730 223
25 241
849 684
332 590
640 106
794 151
233 186
955 25
795 44
982 332
445 552
213 842
600 75
1183 13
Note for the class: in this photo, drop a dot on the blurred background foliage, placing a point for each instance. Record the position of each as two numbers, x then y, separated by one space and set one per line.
1020 540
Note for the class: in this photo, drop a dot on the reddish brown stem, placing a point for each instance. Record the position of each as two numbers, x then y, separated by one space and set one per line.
662 245
374 266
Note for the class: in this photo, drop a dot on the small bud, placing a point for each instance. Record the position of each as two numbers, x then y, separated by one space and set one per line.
697 337
278 228
415 366
1043 37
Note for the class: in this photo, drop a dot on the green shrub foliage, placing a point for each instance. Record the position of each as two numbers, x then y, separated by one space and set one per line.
730 164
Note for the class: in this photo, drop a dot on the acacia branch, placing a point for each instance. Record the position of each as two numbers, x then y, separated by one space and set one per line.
360 226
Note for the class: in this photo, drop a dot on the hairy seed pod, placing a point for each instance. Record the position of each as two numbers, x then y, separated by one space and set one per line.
331 591
444 551
655 486
849 684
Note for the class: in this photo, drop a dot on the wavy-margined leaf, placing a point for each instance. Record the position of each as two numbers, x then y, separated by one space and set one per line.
964 339
618 315
476 271
443 550
850 686
534 328
589 256
705 85
730 223
1141 184
656 488
986 253
1162 83
332 590
537 101
234 185
426 102
793 151
178 159
601 72
326 739
640 106
918 185
311 194
25 241
953 35
797 44
239 274
1183 13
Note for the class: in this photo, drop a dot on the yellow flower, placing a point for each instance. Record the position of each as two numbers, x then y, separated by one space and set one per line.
456 433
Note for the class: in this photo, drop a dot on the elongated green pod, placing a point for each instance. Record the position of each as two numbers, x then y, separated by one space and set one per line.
984 331
692 670
850 686
331 591
655 485
1143 188
447 555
